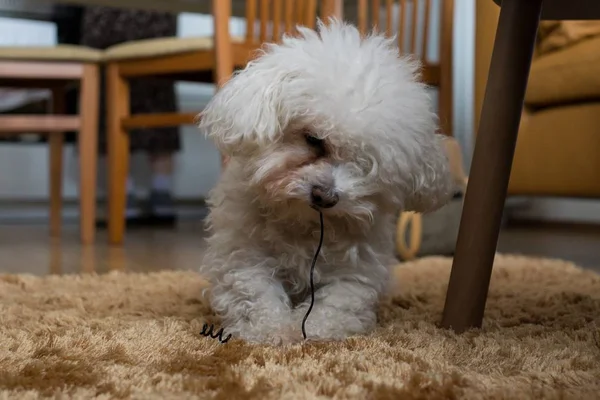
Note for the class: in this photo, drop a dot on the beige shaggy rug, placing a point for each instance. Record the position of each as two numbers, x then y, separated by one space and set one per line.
137 336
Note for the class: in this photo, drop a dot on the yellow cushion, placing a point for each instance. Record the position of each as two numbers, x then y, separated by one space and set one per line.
556 35
55 53
564 76
149 48
557 153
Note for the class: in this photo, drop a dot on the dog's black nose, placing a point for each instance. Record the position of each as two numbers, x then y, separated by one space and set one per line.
323 198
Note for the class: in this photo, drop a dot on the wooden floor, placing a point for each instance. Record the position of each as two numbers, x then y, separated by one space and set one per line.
28 249
577 244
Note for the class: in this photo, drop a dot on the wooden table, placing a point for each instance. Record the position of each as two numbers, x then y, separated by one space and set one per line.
494 150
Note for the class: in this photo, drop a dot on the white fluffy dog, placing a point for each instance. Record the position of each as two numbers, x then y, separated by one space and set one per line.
327 120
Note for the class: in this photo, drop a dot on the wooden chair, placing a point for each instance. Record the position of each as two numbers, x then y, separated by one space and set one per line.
54 68
381 14
494 150
202 59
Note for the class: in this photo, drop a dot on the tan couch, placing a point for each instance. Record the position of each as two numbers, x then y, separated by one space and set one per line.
558 150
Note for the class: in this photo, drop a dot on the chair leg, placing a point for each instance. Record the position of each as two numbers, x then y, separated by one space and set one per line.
55 148
445 105
88 151
117 106
223 50
492 161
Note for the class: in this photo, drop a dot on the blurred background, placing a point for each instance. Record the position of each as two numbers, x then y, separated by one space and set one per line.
544 216
23 196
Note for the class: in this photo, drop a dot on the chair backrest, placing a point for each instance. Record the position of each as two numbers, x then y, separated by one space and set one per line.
266 21
409 20
269 20
412 22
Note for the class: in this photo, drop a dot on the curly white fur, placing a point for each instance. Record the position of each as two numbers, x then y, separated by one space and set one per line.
379 154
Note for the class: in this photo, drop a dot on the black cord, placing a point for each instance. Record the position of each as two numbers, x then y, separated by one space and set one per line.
208 331
312 273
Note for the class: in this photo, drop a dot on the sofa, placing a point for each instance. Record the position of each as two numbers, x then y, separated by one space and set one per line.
558 148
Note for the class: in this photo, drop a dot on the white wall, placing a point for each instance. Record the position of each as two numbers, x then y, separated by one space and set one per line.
463 74
198 165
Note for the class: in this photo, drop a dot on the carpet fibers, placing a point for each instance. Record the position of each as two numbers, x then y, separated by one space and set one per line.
137 336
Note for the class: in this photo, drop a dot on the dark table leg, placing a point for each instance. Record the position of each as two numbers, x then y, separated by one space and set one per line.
492 161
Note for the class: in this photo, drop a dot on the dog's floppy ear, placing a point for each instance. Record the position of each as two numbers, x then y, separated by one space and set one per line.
432 183
247 110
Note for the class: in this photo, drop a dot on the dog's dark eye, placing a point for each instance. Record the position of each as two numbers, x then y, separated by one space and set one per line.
317 144
314 141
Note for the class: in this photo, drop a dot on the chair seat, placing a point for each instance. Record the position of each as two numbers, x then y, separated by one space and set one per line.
151 48
64 53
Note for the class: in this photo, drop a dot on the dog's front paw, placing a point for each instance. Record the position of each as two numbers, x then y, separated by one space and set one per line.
290 334
330 324
281 335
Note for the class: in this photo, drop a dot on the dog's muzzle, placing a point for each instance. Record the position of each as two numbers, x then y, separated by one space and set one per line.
323 198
